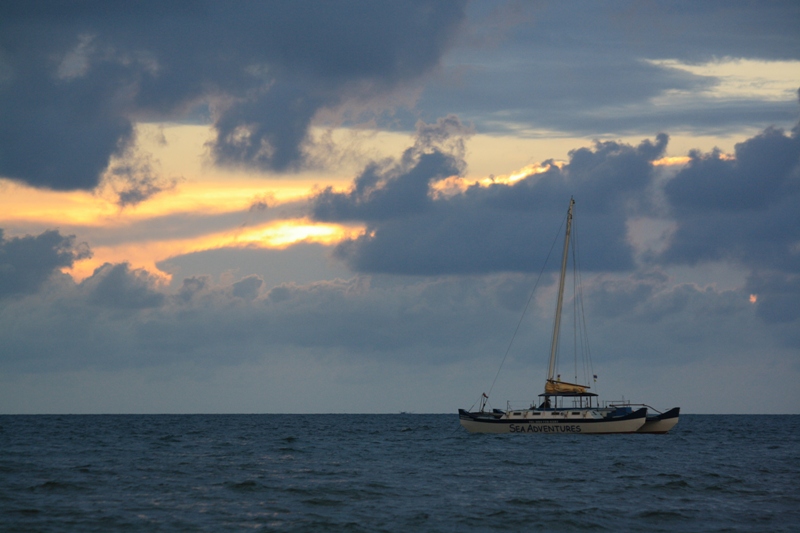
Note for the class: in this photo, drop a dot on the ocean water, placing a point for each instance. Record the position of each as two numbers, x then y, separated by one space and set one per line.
391 473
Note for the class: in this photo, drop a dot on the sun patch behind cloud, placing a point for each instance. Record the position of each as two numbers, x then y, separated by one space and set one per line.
284 233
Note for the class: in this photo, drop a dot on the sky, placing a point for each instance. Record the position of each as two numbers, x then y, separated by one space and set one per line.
345 207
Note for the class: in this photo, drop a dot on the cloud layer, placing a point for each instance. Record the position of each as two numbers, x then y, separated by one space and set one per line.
495 228
585 69
74 77
459 248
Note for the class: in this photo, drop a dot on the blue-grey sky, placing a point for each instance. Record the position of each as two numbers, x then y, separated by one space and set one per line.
343 206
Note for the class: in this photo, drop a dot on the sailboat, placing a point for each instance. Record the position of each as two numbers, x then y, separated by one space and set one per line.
564 407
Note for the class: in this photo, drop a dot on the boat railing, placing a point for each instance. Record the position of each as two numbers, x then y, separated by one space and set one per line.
525 406
519 405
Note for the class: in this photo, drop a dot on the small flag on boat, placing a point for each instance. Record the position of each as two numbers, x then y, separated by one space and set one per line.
595 378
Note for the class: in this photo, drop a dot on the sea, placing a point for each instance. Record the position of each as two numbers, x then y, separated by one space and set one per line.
392 472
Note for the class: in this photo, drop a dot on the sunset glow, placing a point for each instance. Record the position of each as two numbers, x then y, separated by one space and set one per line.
276 235
285 233
455 184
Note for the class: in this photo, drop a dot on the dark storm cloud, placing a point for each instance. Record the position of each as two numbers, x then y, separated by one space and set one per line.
384 192
582 67
744 210
503 227
27 262
389 189
74 76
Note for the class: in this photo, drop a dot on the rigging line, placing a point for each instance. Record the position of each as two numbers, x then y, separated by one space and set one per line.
533 291
583 328
578 320
577 317
575 330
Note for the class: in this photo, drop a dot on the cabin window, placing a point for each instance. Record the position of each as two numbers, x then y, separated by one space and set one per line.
516 414
536 414
575 413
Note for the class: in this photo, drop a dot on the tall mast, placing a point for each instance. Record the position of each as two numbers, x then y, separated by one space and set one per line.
557 326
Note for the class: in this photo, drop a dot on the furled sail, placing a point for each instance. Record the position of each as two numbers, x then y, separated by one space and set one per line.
553 386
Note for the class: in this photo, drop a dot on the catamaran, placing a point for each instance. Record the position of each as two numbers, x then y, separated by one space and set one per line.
564 407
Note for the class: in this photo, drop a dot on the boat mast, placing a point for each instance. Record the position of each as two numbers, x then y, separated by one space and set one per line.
557 326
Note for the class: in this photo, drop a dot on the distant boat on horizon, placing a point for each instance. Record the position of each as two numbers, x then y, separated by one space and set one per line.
568 408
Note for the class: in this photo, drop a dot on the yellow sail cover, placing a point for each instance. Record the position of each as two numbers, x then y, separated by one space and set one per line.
552 387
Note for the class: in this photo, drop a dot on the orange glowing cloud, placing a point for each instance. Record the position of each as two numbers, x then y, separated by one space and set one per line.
275 234
671 161
455 184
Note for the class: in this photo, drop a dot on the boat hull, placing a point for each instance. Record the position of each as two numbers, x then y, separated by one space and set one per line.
494 423
660 423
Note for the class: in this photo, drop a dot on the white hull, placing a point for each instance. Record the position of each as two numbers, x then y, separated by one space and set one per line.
660 424
584 423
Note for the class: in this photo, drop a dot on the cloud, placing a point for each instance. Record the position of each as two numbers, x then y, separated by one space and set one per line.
247 288
387 190
119 287
75 77
777 296
467 260
743 210
778 303
500 227
588 70
27 262
300 263
134 179
120 318
183 225
645 315
764 170
191 287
